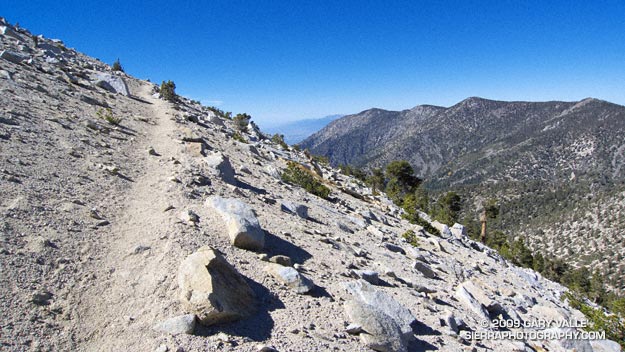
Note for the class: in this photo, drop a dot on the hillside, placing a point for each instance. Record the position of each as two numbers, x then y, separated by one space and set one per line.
555 167
134 223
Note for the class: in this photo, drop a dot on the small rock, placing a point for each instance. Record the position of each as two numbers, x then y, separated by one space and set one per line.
265 348
291 277
293 208
94 214
370 276
41 298
353 329
393 248
219 165
140 248
151 151
189 217
264 257
424 269
281 259
102 223
162 348
183 324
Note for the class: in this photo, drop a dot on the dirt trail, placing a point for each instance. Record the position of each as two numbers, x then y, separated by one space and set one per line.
125 296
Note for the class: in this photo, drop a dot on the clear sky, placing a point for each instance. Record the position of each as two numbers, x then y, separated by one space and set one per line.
287 60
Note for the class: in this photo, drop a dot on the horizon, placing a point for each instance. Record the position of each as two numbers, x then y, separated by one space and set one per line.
287 62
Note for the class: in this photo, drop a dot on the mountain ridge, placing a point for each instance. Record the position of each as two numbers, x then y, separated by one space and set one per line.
489 148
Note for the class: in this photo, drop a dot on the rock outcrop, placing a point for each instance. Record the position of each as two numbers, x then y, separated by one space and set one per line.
213 290
242 225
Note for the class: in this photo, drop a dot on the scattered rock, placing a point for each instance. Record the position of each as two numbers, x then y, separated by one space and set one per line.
111 83
370 276
189 217
265 348
367 294
243 227
41 298
219 166
153 152
291 277
196 149
393 248
212 289
464 296
380 331
12 56
293 208
353 329
458 231
140 248
281 259
425 270
183 324
344 227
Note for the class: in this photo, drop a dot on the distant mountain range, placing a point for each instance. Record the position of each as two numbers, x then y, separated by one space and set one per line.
296 131
556 166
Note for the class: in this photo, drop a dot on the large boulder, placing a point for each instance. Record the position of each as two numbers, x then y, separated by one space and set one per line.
212 289
458 231
111 82
243 227
444 229
219 165
12 56
380 331
366 293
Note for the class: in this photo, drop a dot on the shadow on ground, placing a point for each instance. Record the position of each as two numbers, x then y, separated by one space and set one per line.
257 327
276 246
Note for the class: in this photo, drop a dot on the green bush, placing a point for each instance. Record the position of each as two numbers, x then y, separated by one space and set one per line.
376 180
598 320
108 116
117 66
168 91
411 237
299 175
241 121
447 209
238 137
320 159
279 139
353 171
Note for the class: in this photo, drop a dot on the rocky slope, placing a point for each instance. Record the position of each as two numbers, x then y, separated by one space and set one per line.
161 232
552 165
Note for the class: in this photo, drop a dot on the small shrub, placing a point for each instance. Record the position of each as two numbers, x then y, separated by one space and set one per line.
238 137
108 116
411 237
241 121
598 320
279 139
320 159
297 174
414 218
168 91
117 66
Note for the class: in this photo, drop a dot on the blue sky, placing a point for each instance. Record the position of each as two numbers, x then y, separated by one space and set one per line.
288 60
